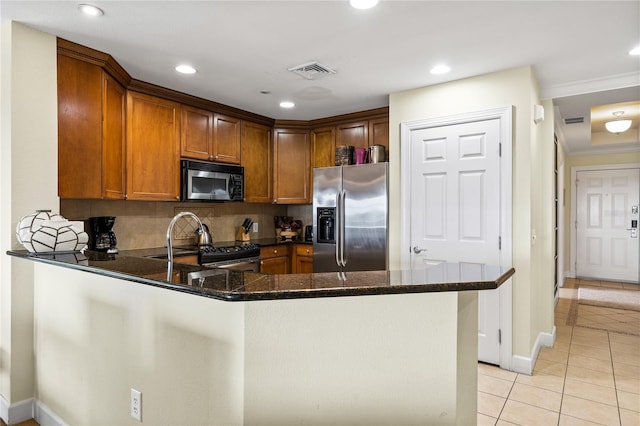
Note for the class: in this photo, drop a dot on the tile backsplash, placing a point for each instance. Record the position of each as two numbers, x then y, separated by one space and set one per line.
143 224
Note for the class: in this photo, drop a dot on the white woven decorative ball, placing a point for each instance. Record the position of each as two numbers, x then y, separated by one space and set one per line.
43 232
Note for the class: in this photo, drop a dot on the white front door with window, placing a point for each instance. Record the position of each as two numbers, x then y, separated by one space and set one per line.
607 240
455 210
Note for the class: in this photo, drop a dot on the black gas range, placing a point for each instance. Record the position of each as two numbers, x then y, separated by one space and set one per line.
241 256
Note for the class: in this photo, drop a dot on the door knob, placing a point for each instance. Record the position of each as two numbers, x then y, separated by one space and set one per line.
418 250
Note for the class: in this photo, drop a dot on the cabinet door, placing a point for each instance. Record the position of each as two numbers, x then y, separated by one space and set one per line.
196 135
153 148
79 129
323 147
354 134
379 133
226 139
275 260
292 162
303 259
257 160
113 139
275 265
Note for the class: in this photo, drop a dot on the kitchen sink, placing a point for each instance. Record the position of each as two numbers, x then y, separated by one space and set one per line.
177 252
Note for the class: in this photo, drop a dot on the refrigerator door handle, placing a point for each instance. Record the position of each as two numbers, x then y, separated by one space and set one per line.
337 228
343 229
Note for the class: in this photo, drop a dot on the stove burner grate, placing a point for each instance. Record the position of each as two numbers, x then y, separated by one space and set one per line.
209 254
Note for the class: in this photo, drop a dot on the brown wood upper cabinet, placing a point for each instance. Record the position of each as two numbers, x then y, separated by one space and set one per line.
153 148
292 166
91 131
354 134
209 136
363 134
323 142
379 132
257 160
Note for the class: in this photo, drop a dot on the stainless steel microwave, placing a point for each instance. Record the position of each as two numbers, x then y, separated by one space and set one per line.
211 181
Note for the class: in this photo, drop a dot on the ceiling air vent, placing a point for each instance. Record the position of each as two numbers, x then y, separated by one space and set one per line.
312 70
575 120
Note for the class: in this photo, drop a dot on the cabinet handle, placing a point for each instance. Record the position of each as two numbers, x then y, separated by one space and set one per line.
126 196
177 198
275 251
307 251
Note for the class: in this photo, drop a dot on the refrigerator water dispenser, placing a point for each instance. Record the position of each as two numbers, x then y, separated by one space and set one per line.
326 224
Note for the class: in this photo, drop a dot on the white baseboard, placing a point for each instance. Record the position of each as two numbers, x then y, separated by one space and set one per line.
523 364
16 412
26 410
45 417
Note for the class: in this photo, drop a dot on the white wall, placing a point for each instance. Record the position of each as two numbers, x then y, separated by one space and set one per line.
28 172
515 87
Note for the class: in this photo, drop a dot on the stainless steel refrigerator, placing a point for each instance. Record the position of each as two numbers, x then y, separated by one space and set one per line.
350 218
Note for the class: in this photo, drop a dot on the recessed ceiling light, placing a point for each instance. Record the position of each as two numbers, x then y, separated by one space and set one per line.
186 69
440 69
287 104
363 4
90 10
635 51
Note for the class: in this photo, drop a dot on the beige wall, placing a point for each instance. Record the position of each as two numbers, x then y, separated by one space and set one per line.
29 181
389 359
532 294
580 161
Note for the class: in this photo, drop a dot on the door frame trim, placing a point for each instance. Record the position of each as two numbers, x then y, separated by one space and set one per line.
505 117
574 207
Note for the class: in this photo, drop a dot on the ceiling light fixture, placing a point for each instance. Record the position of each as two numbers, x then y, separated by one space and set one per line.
90 10
440 69
618 125
635 51
363 4
287 104
186 69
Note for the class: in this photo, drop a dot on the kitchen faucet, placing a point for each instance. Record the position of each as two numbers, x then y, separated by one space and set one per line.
170 232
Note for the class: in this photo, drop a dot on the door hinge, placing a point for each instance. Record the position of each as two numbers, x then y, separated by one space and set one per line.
499 243
499 336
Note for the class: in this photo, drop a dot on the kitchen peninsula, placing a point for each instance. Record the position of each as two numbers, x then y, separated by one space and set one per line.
386 347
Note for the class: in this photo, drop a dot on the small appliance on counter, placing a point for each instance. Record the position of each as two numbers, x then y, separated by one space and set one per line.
101 237
308 233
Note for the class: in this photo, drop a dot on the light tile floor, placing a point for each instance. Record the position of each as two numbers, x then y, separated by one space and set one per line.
591 376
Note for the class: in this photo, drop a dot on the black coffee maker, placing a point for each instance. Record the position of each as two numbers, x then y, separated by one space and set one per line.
102 237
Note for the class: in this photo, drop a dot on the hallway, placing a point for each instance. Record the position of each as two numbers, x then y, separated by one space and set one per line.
590 377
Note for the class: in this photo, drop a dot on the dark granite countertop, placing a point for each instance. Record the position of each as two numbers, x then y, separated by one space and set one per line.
246 286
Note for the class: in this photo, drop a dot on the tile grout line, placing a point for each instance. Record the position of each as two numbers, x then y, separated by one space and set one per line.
507 398
566 370
615 386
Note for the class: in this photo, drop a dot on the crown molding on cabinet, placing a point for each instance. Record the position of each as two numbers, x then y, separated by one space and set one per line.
109 64
194 101
96 57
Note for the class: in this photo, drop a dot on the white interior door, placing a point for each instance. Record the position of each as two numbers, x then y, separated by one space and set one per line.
607 243
455 208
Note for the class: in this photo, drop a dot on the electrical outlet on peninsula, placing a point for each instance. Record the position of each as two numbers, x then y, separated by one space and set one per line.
136 404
